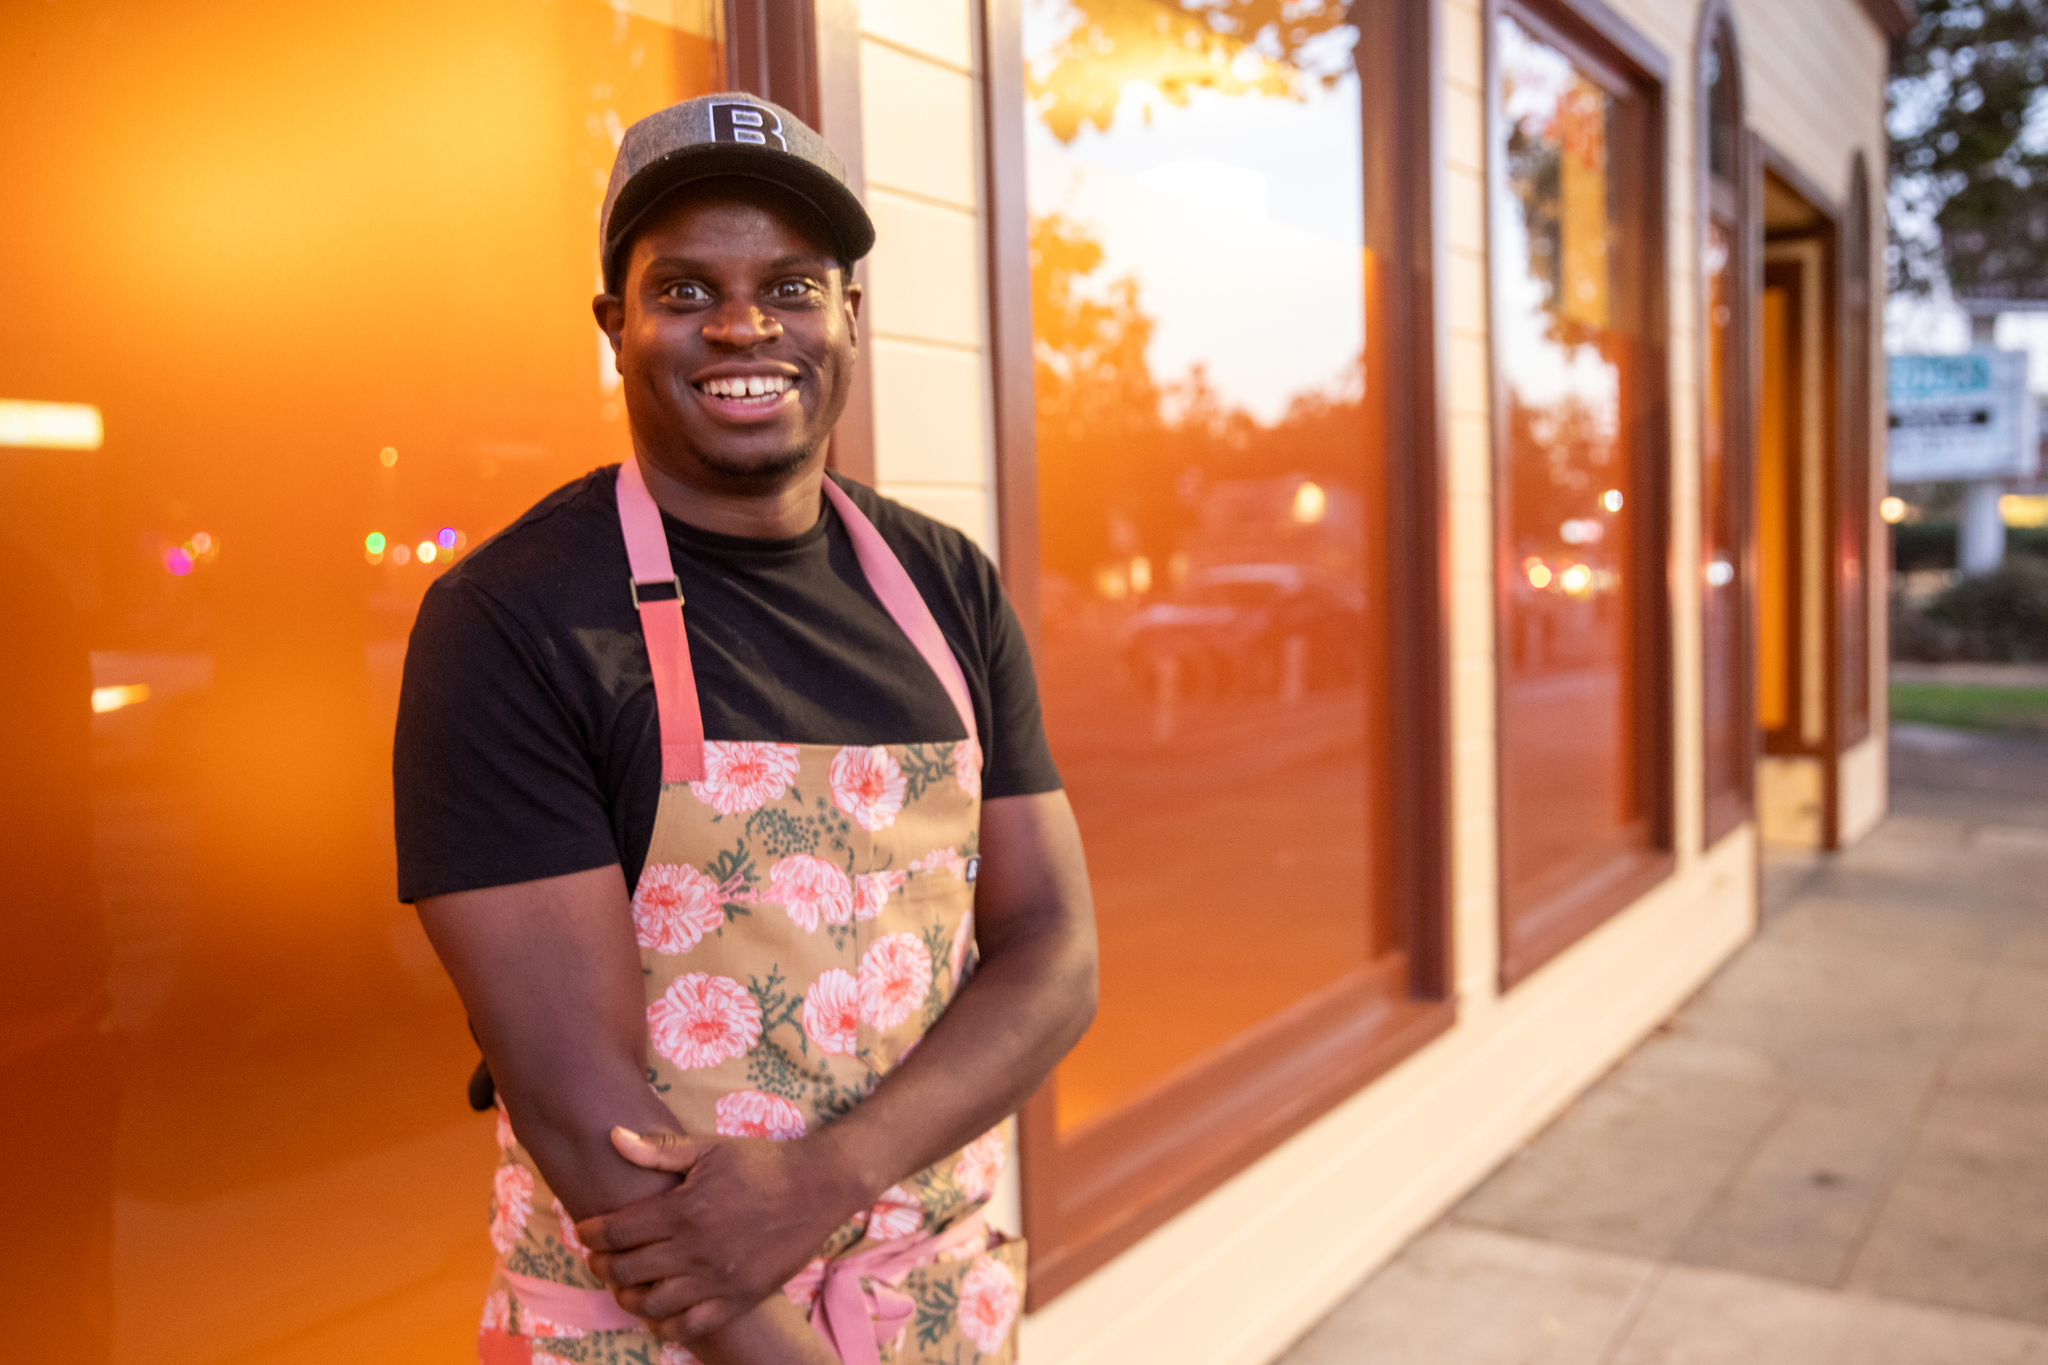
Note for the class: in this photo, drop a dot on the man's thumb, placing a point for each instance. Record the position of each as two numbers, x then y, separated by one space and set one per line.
656 1151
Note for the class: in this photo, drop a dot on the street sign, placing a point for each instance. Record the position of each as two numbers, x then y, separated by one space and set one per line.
1962 417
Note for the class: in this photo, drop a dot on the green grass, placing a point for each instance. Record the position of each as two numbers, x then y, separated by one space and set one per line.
1972 707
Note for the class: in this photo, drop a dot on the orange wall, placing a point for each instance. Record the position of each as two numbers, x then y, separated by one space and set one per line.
268 242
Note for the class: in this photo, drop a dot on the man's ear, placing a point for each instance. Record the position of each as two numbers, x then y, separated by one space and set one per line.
851 292
610 312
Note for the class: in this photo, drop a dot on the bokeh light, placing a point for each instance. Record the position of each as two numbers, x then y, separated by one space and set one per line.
426 551
178 560
388 456
446 540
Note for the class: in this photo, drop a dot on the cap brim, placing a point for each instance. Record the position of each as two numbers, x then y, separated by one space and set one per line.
853 232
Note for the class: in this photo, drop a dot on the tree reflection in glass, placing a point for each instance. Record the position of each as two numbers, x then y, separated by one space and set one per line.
1209 473
1568 798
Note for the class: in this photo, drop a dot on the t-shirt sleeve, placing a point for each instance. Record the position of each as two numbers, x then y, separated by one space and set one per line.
1019 761
491 783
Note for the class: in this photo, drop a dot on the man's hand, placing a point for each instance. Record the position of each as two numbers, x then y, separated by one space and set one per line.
748 1216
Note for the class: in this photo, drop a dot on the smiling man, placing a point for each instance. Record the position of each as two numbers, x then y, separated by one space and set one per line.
721 787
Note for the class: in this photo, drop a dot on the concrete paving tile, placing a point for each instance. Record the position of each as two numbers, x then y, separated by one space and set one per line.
1884 1332
1966 1224
1631 1165
2003 1052
1841 1018
1918 925
1800 1204
1467 1296
1715 1317
1709 1317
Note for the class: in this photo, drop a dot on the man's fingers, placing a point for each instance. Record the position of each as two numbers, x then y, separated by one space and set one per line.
657 1151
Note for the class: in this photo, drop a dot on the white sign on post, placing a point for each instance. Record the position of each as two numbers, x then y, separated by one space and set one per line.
1961 417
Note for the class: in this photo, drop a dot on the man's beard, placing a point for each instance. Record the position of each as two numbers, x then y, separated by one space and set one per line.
765 475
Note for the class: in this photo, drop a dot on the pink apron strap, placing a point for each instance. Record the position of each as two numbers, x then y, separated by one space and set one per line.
900 599
668 645
661 621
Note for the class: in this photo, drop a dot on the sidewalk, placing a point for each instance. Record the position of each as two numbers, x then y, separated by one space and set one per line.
1836 1154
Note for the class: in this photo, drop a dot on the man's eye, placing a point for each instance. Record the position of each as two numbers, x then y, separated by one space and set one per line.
687 292
795 290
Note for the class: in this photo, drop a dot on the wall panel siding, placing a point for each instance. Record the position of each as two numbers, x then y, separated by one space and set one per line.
933 390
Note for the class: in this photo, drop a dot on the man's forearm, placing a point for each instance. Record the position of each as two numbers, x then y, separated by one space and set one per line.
565 1120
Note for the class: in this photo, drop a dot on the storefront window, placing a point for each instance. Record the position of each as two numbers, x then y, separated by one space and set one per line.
1208 463
1580 493
1210 354
1725 426
322 276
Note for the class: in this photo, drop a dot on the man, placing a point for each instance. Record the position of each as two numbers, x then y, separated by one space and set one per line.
716 779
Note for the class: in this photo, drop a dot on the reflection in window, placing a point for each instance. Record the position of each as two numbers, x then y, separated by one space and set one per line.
1724 451
1208 463
1566 347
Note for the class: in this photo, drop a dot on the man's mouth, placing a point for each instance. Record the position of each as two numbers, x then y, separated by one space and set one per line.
747 390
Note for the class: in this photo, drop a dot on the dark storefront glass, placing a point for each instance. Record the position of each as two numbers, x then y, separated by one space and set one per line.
1570 328
1209 474
324 273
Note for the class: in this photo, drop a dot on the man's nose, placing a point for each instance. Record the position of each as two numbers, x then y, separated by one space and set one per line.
741 323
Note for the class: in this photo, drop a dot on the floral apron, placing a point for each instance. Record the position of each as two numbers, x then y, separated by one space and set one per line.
805 914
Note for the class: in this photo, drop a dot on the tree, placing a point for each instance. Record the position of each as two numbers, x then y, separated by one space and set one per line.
1968 116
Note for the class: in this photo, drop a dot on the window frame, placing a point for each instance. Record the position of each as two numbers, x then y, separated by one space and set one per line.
1608 50
1856 506
1728 808
1091 1196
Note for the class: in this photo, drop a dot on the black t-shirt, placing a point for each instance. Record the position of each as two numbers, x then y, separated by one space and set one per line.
528 744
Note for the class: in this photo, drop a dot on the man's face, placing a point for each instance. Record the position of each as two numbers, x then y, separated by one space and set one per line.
734 331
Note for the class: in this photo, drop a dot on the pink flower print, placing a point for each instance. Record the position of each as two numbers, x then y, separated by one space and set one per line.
871 891
895 977
967 767
675 907
941 860
568 1233
832 1012
988 1304
981 1165
867 784
672 1354
540 1357
497 1313
744 775
701 1020
534 1325
749 1113
896 1214
809 889
511 1206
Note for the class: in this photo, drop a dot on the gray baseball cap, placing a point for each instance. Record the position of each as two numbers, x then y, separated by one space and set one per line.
731 134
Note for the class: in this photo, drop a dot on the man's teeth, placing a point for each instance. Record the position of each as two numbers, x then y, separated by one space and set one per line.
746 386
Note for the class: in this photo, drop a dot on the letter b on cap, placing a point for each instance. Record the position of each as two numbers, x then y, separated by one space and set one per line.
746 123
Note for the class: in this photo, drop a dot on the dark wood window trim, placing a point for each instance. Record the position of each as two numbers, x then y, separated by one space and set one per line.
1826 232
1856 501
805 55
1835 358
1091 1196
1734 203
1790 741
1608 50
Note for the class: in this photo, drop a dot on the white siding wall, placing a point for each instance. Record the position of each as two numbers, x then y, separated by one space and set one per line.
921 139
